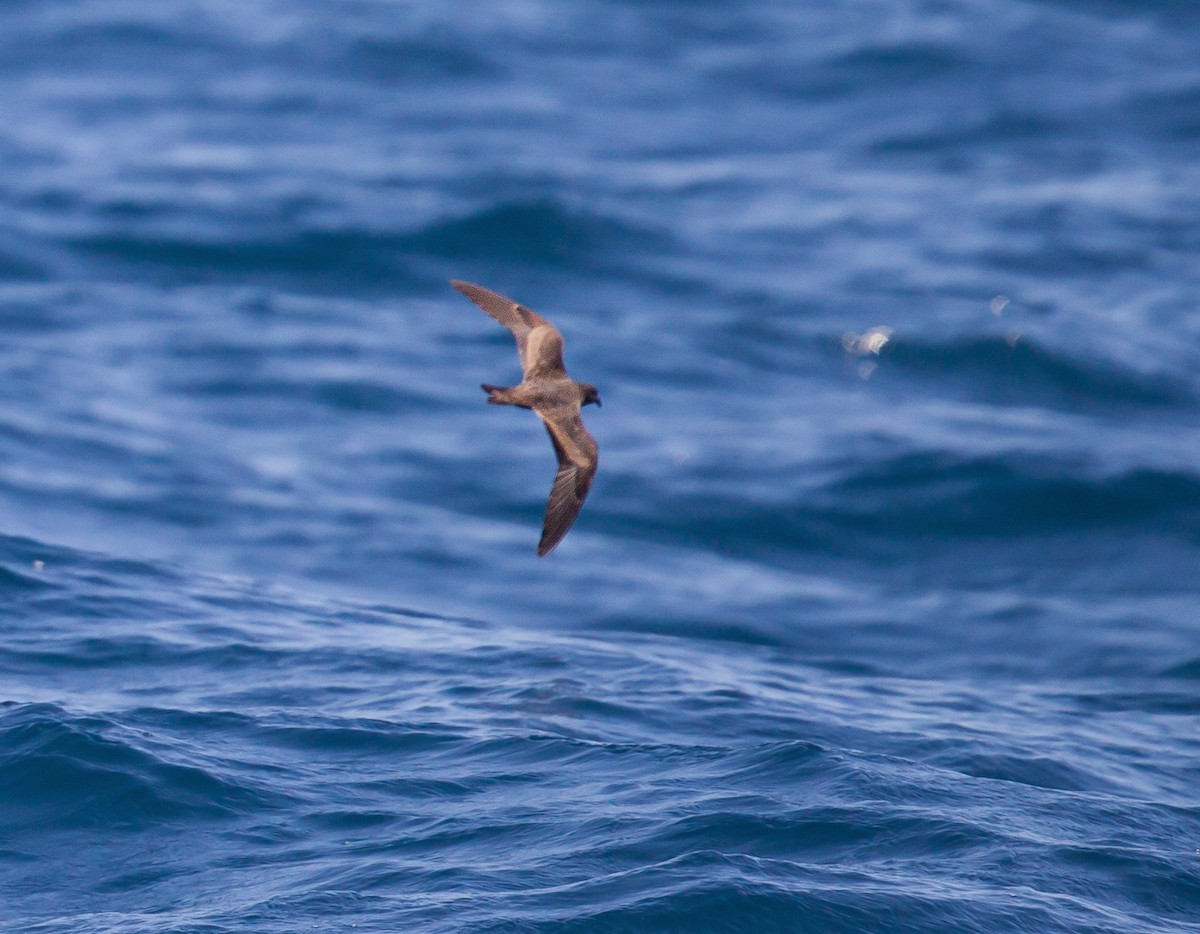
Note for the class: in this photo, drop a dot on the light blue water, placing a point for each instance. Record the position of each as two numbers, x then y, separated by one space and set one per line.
843 641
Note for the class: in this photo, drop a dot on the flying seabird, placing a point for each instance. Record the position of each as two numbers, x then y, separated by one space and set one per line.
547 389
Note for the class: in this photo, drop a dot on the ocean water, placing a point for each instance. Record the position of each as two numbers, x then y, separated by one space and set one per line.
883 614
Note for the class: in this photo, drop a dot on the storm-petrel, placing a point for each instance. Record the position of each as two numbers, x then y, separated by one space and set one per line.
547 389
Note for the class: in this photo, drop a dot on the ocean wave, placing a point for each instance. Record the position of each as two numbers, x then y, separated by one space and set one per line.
1171 114
15 267
321 257
873 69
920 494
108 43
389 60
1026 371
22 259
1187 670
1104 10
84 771
1004 127
1013 495
348 395
539 233
13 582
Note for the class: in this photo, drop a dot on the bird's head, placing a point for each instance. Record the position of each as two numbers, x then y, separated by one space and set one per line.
588 394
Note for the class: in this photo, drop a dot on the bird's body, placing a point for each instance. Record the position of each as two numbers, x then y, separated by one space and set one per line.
546 388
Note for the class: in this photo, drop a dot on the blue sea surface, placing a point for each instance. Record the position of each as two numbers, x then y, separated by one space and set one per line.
883 614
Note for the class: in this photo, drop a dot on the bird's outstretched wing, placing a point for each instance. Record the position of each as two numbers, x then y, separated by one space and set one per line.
538 342
578 455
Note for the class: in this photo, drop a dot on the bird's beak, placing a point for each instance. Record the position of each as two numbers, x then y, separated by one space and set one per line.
599 404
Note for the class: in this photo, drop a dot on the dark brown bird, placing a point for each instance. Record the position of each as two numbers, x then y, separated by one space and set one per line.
547 389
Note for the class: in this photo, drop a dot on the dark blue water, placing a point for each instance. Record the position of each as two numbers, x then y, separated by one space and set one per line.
884 612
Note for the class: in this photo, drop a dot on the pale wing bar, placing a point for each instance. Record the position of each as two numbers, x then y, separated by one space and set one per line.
514 316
